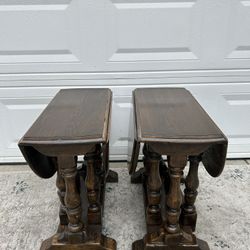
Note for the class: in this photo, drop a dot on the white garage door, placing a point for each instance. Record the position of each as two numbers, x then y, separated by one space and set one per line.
203 45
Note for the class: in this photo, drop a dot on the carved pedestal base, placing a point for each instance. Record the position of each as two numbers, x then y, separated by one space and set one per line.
166 229
165 241
82 195
99 243
142 245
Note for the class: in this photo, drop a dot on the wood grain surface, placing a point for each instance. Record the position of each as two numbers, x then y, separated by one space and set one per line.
78 115
172 114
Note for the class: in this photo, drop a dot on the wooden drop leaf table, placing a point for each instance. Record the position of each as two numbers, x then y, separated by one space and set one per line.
170 122
76 122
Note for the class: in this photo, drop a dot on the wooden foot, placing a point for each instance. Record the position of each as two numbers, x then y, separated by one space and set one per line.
141 245
112 177
98 243
137 177
164 241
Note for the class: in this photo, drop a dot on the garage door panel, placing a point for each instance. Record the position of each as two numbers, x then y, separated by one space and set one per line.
154 30
238 33
18 114
46 45
39 32
118 35
19 107
121 109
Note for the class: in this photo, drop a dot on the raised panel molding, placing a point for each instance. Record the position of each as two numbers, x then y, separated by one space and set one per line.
241 99
123 36
30 5
152 31
37 56
37 32
149 4
237 103
152 54
239 31
246 3
241 52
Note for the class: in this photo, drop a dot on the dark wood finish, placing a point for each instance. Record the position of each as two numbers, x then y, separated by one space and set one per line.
170 122
60 183
140 244
152 163
176 115
76 122
174 196
73 116
189 215
94 172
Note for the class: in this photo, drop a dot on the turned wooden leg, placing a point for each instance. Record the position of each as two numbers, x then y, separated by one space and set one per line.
139 176
146 159
105 149
111 176
188 214
100 175
92 184
154 183
67 169
60 183
176 165
99 168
